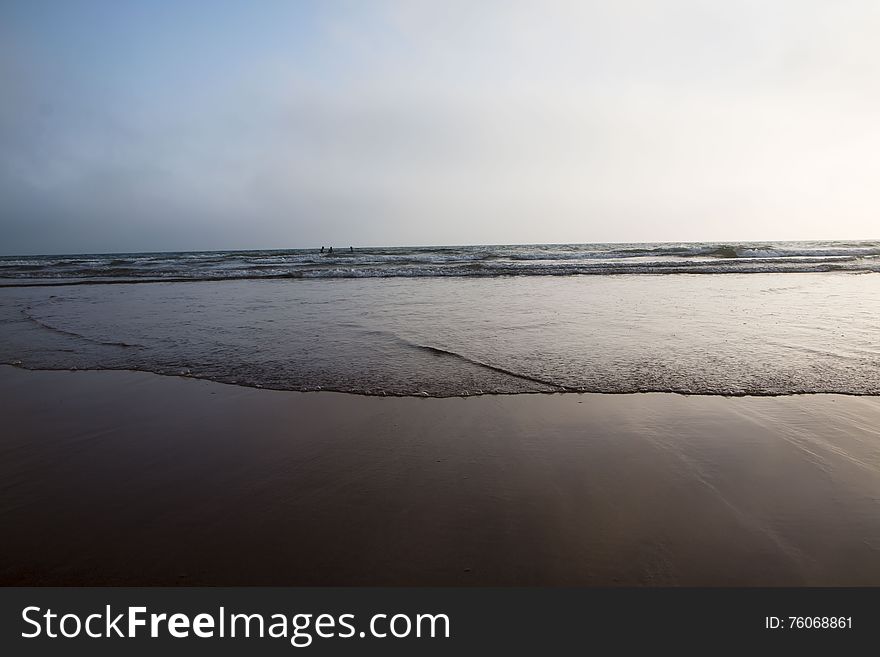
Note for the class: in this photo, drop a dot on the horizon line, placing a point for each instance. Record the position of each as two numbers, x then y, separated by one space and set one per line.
429 246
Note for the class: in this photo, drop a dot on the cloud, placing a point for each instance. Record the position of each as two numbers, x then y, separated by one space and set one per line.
425 122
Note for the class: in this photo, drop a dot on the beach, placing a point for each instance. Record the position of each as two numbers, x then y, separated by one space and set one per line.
488 327
132 478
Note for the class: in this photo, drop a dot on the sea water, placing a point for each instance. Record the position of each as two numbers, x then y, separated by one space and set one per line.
731 319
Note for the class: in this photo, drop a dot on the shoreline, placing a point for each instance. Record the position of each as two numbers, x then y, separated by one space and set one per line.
125 477
475 395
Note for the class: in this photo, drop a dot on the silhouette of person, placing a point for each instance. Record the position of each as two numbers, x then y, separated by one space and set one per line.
331 249
351 248
322 249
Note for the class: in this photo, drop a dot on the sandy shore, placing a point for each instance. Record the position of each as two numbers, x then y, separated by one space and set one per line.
133 478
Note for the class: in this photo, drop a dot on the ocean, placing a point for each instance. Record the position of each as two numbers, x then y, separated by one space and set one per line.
459 261
768 318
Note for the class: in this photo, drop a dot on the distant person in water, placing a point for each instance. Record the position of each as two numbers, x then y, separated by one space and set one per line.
331 250
322 249
351 248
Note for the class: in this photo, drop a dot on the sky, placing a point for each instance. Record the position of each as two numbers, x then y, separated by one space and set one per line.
201 125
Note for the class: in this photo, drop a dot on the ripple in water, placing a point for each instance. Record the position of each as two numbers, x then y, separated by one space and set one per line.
759 334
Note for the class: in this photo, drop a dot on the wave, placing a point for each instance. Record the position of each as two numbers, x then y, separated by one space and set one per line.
453 272
595 389
781 335
55 329
525 377
390 262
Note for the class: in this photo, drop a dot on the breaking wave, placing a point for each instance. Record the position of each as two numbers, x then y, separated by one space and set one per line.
414 262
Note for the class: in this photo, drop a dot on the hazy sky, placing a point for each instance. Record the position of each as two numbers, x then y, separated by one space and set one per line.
132 126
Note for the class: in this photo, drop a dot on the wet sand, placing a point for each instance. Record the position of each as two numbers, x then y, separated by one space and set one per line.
133 478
